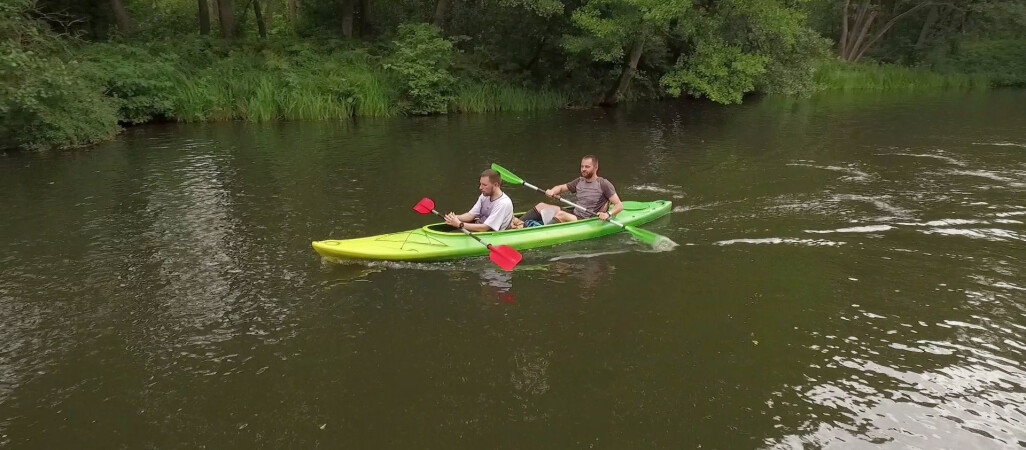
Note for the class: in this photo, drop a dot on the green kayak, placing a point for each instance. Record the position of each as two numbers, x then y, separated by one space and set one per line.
439 241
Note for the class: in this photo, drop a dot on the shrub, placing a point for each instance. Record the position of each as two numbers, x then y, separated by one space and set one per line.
421 61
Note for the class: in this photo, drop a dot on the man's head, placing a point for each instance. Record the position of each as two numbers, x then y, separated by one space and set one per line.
589 166
490 180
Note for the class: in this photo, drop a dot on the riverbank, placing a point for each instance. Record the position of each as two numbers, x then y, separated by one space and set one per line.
88 93
103 87
834 75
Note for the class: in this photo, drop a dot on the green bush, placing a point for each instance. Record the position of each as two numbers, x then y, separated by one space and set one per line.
421 61
142 85
1003 61
721 72
44 100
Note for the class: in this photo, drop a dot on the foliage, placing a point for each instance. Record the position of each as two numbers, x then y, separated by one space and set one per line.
1003 60
142 84
43 99
72 70
844 76
721 72
421 60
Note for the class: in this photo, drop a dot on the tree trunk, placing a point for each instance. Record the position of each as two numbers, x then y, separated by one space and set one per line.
883 30
440 8
628 71
366 24
226 18
125 24
269 14
203 12
259 19
293 10
927 30
856 27
863 32
537 53
842 44
347 17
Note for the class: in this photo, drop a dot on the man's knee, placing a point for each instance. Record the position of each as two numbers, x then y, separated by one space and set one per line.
564 216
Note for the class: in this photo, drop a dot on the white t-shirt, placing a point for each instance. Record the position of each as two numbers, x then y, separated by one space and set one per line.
497 215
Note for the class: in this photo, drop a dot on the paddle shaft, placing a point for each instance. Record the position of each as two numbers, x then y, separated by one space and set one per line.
466 231
568 202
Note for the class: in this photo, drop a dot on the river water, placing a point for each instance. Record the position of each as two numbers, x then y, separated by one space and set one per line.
850 274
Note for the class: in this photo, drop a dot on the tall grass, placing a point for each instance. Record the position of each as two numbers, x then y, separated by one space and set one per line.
841 76
235 90
491 97
199 80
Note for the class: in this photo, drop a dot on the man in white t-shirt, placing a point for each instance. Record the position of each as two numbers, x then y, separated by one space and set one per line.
493 210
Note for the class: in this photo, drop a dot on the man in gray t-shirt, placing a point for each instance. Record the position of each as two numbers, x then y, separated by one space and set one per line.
596 194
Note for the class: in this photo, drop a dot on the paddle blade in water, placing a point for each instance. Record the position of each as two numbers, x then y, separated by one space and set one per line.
657 241
424 206
506 175
505 256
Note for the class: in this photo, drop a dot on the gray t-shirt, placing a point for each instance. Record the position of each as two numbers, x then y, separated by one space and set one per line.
592 195
497 215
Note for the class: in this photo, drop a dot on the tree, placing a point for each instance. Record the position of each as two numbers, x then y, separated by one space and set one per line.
619 31
269 13
261 28
366 24
203 14
125 23
226 18
439 17
862 25
348 10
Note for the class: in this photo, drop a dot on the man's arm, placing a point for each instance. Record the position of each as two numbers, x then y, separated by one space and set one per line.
467 217
454 221
476 227
556 190
615 206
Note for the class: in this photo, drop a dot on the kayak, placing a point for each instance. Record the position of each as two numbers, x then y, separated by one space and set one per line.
440 241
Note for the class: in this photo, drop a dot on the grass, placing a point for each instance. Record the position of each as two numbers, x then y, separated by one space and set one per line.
833 75
320 87
491 97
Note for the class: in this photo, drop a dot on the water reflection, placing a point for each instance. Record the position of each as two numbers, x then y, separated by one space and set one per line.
497 286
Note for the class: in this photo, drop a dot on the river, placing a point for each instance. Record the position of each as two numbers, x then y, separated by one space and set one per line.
850 274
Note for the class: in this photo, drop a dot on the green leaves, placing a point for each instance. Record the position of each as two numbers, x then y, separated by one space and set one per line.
421 60
719 71
44 99
608 27
544 8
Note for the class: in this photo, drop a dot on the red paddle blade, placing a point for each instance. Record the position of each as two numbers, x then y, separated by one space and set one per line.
424 206
505 256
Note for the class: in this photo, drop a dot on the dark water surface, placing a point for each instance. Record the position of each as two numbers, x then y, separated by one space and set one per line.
852 273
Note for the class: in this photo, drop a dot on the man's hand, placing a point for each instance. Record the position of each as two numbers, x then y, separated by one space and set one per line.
604 216
452 220
552 193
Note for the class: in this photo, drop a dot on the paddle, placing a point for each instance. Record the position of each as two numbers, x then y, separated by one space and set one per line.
503 256
645 236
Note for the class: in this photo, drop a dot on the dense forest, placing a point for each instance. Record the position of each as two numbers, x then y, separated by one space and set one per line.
75 71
